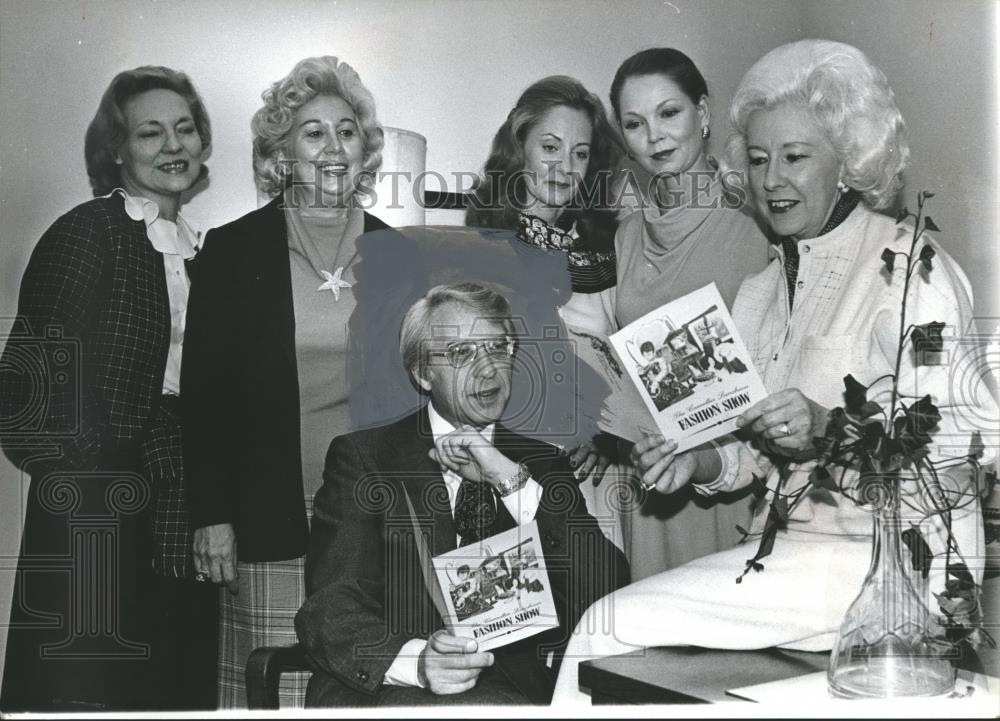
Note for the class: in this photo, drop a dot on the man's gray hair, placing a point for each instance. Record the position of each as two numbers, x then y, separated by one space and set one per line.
416 330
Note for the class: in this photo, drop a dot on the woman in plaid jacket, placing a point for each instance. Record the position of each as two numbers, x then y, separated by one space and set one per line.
105 602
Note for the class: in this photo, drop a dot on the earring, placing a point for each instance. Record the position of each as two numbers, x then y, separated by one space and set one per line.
842 187
706 132
631 155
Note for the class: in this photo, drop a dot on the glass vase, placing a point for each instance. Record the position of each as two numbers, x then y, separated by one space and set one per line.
889 645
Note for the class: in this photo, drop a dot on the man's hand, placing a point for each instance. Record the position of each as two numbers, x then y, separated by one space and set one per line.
464 451
215 554
450 664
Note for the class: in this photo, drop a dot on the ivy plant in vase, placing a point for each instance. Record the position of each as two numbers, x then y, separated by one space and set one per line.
877 455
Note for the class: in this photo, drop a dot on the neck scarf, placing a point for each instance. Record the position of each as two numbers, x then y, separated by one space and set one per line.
845 204
590 271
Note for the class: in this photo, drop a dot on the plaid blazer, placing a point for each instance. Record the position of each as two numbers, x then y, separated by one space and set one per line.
94 288
84 363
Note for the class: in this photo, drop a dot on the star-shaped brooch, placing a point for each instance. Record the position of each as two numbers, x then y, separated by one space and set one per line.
334 282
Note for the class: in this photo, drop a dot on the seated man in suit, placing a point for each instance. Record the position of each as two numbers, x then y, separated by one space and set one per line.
369 626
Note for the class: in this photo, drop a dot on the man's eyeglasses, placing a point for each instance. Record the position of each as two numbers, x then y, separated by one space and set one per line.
461 353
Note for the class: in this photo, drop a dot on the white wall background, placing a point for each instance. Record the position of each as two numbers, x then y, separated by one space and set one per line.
451 70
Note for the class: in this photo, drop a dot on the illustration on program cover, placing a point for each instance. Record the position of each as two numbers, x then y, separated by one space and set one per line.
693 372
497 590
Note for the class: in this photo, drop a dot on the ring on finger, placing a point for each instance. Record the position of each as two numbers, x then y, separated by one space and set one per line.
201 577
784 430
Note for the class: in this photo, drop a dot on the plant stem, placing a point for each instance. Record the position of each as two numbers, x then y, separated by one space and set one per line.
880 378
902 314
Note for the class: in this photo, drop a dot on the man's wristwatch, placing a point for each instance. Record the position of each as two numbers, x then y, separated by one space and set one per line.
515 483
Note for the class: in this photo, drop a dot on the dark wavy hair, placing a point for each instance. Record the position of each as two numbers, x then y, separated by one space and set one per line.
108 131
659 61
501 194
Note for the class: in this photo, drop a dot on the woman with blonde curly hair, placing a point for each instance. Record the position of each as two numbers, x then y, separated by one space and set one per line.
266 354
817 129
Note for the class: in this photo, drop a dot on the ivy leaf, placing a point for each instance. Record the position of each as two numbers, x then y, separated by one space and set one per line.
898 454
889 258
777 517
827 450
920 552
914 427
929 224
869 409
953 588
825 447
991 533
927 337
926 253
758 485
779 508
964 654
976 447
870 437
894 455
821 478
961 573
854 395
836 424
872 433
918 454
956 607
902 215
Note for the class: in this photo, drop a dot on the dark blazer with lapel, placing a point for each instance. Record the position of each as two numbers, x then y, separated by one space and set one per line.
363 577
240 403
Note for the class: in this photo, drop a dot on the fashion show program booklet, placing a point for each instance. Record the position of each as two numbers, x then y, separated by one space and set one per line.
681 370
495 590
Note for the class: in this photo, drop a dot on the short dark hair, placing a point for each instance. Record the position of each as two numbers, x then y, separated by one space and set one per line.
108 130
660 61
